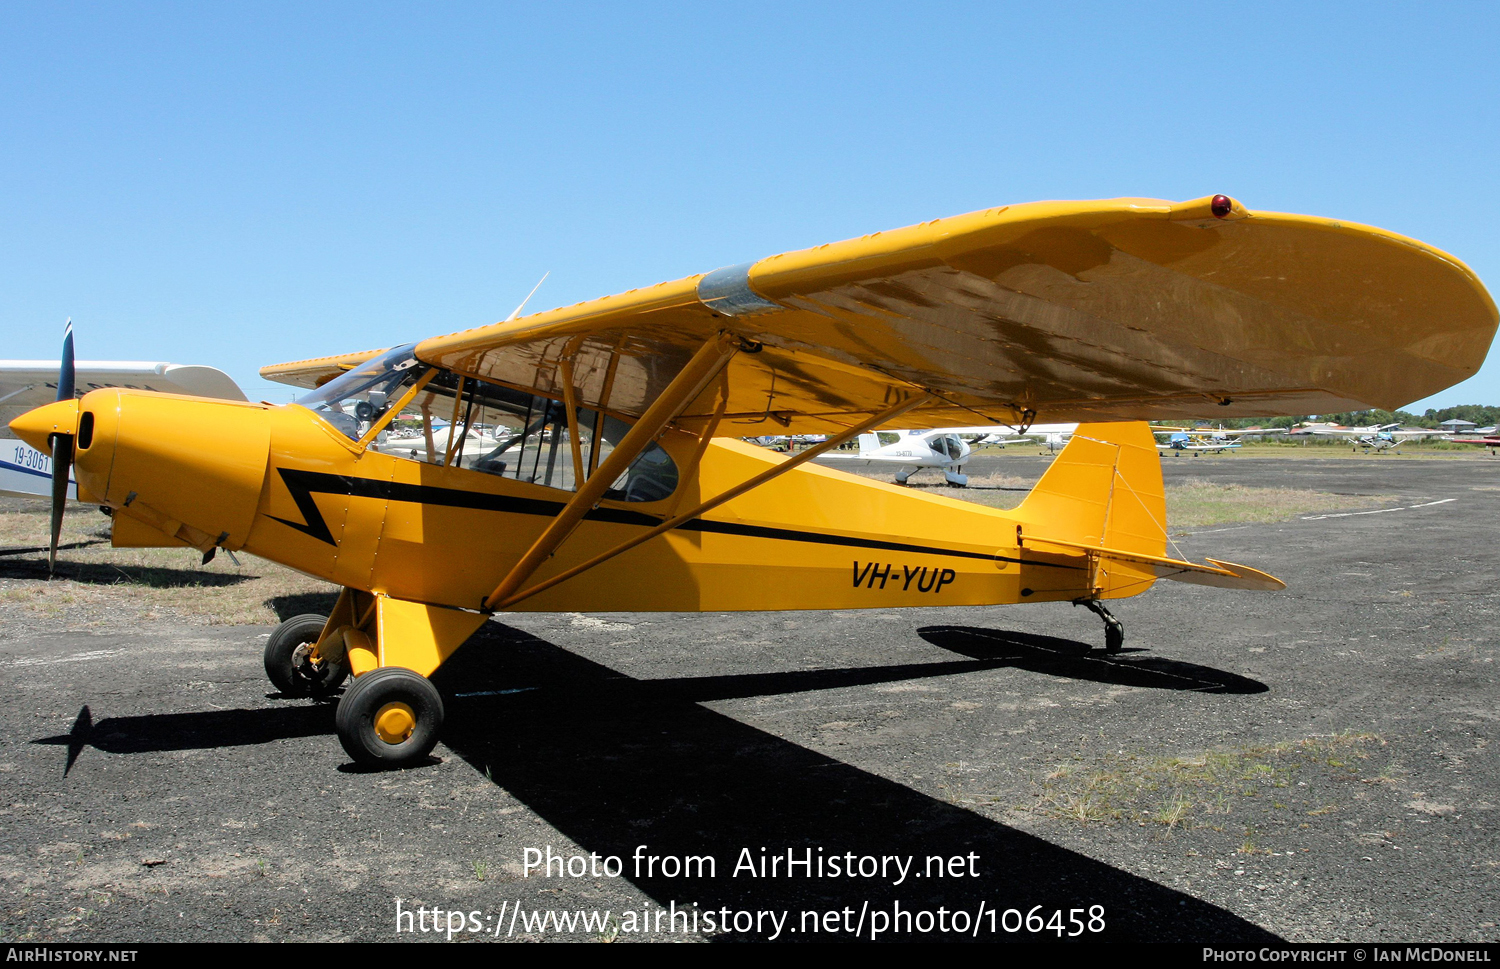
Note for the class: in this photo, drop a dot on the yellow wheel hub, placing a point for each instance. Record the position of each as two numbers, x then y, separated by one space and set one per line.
394 722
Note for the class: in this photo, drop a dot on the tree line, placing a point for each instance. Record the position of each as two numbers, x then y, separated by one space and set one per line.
1482 415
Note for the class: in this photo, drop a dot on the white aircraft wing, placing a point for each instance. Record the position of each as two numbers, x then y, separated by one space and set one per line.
1358 433
25 384
1217 431
1223 446
1006 430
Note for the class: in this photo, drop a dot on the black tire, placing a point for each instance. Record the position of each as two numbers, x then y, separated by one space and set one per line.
287 666
1114 637
381 692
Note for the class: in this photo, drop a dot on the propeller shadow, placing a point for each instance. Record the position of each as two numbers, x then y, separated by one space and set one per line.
78 737
156 732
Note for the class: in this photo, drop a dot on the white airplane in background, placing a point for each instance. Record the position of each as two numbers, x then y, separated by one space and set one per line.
910 452
1214 440
1376 437
1195 443
1053 436
25 384
783 442
423 445
907 452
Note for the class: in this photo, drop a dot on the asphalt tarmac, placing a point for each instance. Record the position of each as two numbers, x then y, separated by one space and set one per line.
1314 764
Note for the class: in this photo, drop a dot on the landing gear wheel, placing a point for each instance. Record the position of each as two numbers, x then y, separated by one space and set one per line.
390 717
1114 630
288 664
1114 635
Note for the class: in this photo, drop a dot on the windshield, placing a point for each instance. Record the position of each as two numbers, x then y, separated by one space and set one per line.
354 400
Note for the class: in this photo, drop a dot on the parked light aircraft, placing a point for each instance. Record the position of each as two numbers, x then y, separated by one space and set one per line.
1198 440
1378 438
1384 439
1491 441
1054 437
945 448
26 472
1097 312
1179 442
909 452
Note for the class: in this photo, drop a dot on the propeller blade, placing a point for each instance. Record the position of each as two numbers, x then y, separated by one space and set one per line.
62 448
62 461
65 372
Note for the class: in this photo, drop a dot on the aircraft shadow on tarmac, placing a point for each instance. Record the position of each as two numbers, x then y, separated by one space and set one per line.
614 763
1064 657
302 603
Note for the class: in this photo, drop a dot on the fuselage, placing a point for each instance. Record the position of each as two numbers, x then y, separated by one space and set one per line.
285 484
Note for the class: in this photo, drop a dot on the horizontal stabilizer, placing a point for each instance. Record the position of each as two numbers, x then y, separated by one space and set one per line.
1222 575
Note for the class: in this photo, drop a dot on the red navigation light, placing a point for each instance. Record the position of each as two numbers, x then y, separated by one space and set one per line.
1221 206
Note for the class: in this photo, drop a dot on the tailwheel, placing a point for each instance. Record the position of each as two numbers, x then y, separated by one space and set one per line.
289 663
1114 635
390 717
1114 630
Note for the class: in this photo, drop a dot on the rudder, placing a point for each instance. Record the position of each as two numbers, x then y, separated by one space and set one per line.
1104 490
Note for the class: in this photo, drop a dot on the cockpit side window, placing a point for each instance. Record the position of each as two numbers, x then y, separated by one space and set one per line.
478 426
949 446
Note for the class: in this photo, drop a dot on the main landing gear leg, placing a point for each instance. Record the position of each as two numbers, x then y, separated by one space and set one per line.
392 714
1114 630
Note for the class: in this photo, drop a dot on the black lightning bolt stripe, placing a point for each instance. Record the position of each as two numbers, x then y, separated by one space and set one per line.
304 484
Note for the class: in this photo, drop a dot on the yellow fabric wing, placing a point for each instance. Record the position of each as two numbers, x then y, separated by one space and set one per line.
317 371
1123 309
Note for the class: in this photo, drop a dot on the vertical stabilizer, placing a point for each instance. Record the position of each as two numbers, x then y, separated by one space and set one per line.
1104 490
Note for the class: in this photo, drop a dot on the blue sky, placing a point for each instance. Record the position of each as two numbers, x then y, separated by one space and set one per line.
243 184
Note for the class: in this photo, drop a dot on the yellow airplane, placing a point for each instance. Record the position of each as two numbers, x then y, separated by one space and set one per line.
612 477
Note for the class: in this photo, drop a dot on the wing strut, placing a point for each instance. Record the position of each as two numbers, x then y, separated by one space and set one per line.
684 388
889 414
570 402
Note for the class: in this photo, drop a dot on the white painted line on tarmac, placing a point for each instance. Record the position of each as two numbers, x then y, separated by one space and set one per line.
54 660
523 689
1378 511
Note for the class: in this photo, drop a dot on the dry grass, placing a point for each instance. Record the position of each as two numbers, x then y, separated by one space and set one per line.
1182 791
97 584
1191 503
1194 503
